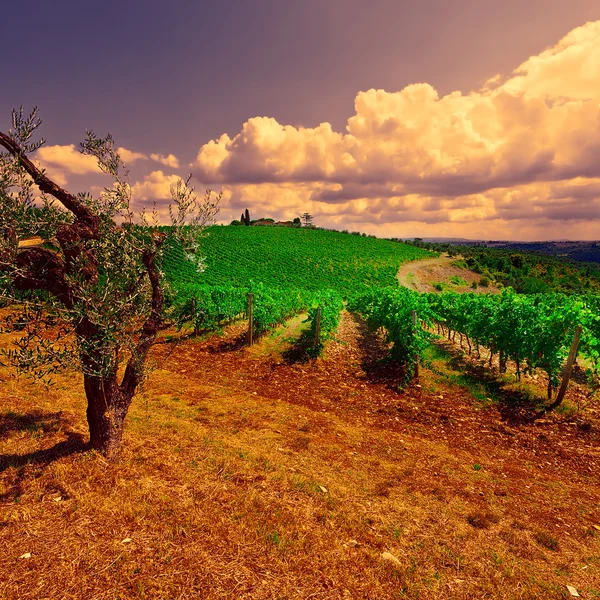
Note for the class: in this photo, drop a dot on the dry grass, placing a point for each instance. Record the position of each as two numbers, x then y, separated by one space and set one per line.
231 486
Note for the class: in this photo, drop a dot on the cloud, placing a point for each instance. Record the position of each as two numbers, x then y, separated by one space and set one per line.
67 159
266 151
568 70
156 187
501 154
154 191
129 157
61 161
169 161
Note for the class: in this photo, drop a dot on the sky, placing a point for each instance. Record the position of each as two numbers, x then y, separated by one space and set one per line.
418 118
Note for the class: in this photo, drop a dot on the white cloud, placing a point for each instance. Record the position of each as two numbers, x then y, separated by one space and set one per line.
129 157
169 161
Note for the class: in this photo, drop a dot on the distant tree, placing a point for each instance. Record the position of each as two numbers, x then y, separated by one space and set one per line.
297 222
245 218
517 261
307 219
98 274
236 223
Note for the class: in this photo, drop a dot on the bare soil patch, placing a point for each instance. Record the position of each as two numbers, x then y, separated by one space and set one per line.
423 275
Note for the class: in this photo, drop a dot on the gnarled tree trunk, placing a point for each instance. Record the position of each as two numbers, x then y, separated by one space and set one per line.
106 410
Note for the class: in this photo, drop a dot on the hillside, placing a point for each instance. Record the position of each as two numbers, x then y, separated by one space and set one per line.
525 268
580 251
280 257
258 472
245 475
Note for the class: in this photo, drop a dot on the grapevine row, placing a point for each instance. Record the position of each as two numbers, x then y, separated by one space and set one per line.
324 315
533 331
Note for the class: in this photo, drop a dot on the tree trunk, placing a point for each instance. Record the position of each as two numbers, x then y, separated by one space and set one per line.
106 410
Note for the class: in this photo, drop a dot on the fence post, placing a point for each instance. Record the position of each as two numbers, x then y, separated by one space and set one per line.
414 322
194 316
318 327
568 369
250 319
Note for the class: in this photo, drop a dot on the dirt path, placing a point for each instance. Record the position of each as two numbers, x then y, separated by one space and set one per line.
424 275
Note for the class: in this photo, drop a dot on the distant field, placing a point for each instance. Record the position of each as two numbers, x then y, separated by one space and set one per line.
279 257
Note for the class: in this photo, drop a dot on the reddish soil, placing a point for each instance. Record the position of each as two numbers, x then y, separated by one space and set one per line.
258 473
356 382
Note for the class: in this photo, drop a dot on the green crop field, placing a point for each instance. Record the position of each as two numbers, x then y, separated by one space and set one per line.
283 258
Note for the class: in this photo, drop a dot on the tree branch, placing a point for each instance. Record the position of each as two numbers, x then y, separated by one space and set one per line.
134 370
70 202
42 269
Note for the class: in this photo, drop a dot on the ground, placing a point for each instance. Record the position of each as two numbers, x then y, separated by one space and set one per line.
257 473
441 274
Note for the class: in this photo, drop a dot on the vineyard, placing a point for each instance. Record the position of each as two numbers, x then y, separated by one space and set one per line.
534 331
284 258
289 271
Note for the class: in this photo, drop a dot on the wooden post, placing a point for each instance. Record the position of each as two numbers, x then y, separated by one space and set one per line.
414 322
318 327
568 369
194 316
250 319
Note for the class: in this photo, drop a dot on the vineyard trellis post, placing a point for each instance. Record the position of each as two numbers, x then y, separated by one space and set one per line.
318 327
250 319
196 332
568 369
414 322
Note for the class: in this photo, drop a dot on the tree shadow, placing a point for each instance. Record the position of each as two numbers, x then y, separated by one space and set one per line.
228 345
300 351
74 443
36 423
516 407
32 422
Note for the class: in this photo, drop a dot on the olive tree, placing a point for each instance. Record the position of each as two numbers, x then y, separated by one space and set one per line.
92 292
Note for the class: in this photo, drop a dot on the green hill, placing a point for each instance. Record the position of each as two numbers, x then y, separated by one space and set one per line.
290 258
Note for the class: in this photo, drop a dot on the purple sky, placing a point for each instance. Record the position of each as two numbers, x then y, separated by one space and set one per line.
169 77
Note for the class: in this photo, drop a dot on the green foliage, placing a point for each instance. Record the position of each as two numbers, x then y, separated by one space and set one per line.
331 304
208 307
392 309
291 258
535 331
532 330
456 280
273 306
532 271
